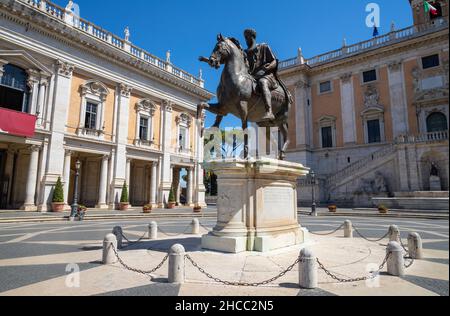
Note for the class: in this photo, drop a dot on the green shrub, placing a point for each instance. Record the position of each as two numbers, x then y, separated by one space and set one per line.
124 196
58 193
171 196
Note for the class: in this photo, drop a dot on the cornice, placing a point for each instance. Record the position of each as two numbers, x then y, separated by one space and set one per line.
51 27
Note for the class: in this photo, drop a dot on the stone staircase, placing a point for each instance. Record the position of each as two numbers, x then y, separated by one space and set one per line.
360 166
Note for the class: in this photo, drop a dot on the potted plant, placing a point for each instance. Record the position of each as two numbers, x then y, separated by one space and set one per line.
58 197
171 203
197 209
332 208
383 209
147 208
124 201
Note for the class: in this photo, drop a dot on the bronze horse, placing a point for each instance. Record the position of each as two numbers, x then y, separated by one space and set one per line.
237 93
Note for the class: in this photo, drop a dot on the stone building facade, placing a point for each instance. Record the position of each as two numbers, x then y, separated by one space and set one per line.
96 98
371 119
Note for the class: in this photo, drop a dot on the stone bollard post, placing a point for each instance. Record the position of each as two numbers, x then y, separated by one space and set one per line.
153 231
415 247
307 269
195 227
394 233
109 257
348 229
176 264
117 231
396 261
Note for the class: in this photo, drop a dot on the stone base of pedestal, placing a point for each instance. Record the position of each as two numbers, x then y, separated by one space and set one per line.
102 206
256 206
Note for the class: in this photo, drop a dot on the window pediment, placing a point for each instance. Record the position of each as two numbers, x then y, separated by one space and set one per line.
184 119
95 88
24 60
374 110
326 119
146 106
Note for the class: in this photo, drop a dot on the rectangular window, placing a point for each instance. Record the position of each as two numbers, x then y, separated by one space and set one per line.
374 131
325 87
90 121
327 137
143 128
430 61
182 138
369 76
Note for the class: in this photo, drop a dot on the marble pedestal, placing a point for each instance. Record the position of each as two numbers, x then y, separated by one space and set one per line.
435 183
256 205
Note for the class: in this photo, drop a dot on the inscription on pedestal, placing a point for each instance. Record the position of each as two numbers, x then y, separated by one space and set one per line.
278 203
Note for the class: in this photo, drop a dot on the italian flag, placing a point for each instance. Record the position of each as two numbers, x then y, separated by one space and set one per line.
430 8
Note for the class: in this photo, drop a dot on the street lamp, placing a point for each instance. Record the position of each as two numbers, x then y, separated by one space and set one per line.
74 212
313 192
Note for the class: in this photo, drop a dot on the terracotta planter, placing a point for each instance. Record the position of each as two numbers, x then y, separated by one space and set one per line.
197 209
147 210
58 207
332 209
171 205
124 206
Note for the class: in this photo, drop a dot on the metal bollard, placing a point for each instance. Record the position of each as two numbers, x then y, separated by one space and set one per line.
109 257
394 233
307 269
396 261
117 231
153 231
176 264
415 247
348 229
195 227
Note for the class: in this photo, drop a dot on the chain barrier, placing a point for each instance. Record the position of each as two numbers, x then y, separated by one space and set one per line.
174 234
327 234
370 240
408 255
139 270
255 284
206 228
351 280
130 242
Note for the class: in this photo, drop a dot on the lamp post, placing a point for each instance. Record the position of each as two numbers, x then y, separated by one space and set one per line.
313 192
74 212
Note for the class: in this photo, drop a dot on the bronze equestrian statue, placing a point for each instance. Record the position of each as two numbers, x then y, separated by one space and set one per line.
249 87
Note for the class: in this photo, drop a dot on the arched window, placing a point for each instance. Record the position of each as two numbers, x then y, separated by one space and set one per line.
14 91
436 122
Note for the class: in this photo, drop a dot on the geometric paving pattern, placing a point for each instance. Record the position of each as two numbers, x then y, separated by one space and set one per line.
34 258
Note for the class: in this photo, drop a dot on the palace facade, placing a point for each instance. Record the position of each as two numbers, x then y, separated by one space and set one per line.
371 119
72 92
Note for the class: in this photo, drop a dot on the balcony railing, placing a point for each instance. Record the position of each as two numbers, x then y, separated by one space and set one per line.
105 36
374 43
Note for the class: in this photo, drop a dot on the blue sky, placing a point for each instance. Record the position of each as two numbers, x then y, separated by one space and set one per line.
189 27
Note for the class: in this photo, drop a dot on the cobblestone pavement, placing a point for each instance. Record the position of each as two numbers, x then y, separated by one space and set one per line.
38 258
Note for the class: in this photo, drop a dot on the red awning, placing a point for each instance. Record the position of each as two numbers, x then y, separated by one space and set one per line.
17 123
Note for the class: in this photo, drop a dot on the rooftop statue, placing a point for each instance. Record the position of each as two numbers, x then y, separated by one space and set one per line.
249 87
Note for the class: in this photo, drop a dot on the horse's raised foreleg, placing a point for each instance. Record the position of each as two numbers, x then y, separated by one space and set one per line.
286 140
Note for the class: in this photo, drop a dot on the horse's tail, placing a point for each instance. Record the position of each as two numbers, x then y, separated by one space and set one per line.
289 100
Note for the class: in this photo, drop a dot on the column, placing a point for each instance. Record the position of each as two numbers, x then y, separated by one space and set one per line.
30 188
55 163
123 94
166 179
103 184
33 83
348 109
67 164
190 183
403 174
176 184
41 98
399 108
9 168
153 184
128 172
200 189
